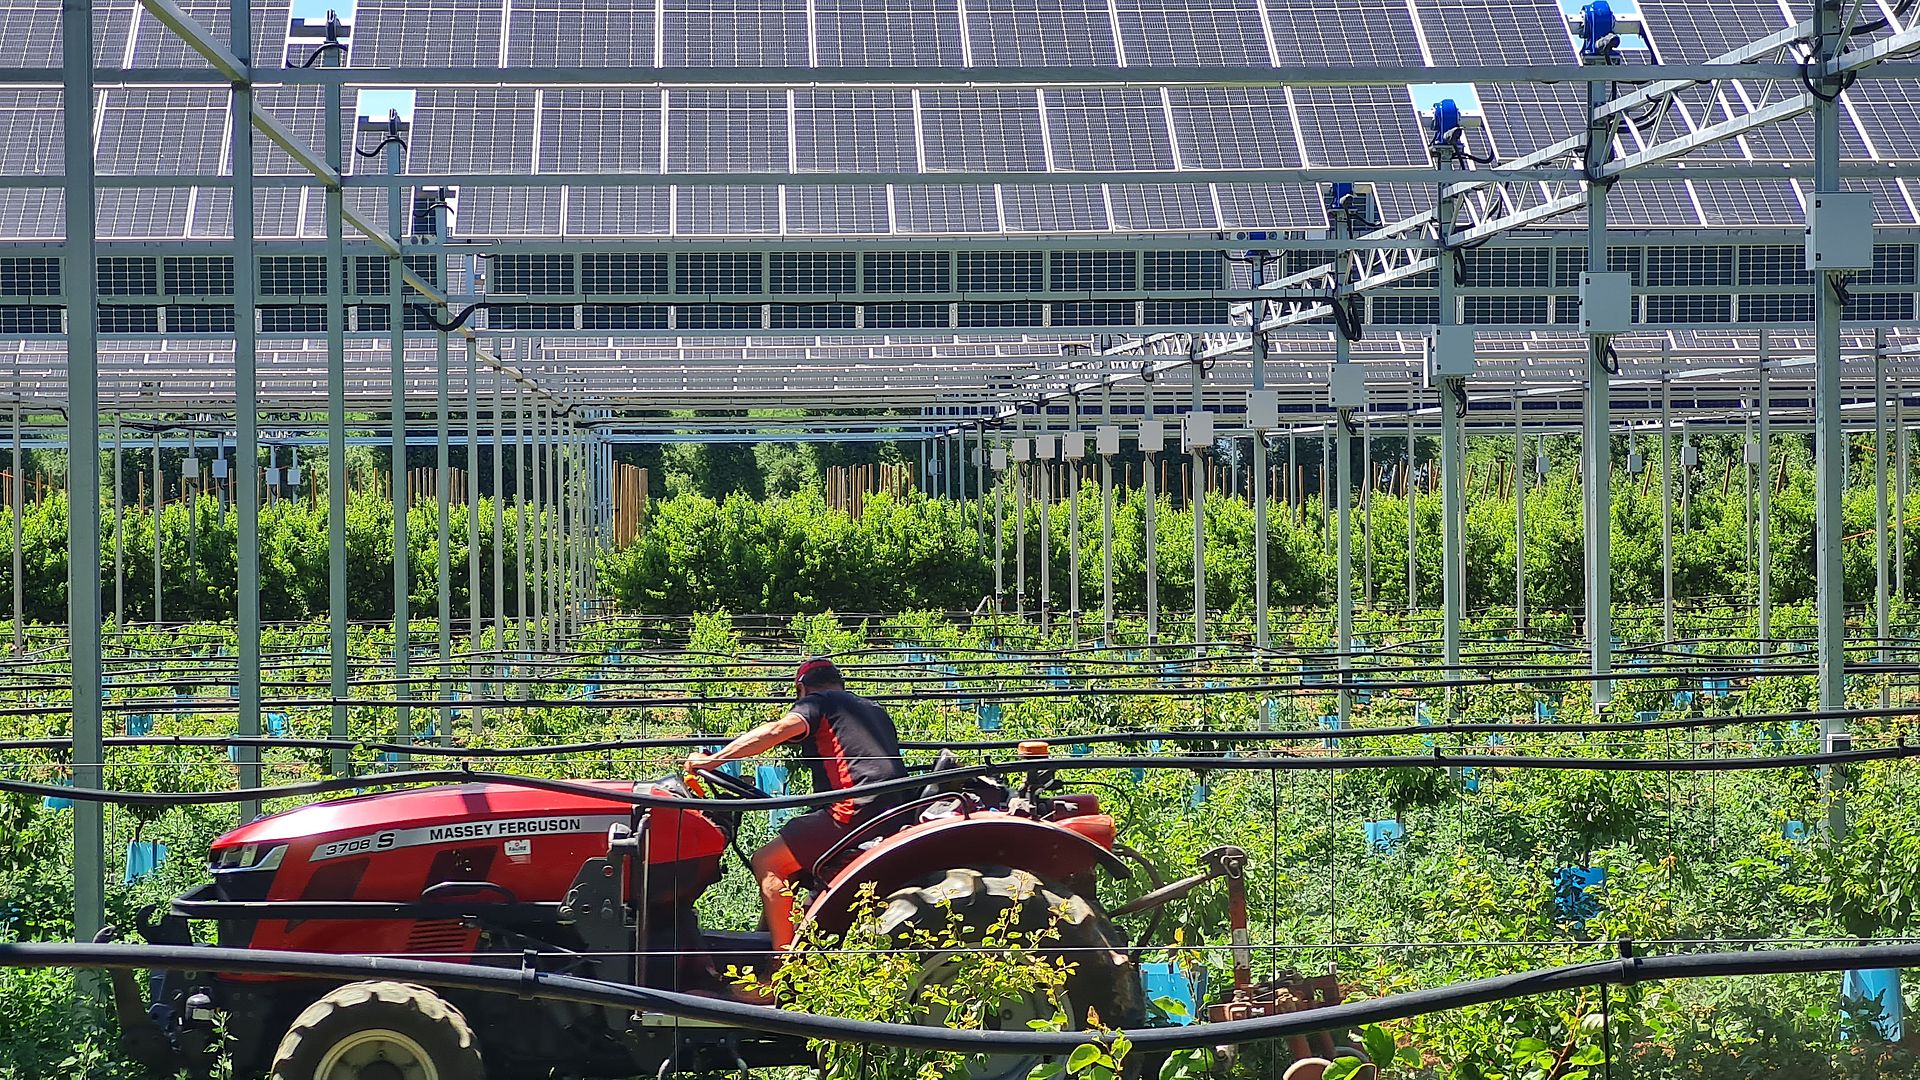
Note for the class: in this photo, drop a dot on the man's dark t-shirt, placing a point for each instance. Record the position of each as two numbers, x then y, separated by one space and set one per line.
849 741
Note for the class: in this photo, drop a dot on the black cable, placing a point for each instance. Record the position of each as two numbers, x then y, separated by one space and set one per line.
322 51
1625 971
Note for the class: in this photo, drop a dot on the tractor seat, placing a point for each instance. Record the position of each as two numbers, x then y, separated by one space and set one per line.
947 761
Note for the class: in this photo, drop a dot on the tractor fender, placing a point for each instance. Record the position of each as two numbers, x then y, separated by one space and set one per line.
1046 850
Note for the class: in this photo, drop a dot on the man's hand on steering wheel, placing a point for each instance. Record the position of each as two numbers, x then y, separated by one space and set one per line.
707 768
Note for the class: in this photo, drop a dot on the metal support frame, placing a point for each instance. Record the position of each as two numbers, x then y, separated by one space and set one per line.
1882 591
1022 475
119 533
246 463
1413 551
397 472
336 269
1197 496
1453 461
1666 508
1762 480
1830 440
443 494
1073 527
1519 514
80 281
1150 490
475 609
1262 622
1596 435
499 530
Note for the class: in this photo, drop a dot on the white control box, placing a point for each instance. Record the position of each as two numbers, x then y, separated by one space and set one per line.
1153 436
1106 439
220 468
1689 456
1046 447
999 459
1196 431
1347 385
1073 445
1636 462
1753 454
1263 410
293 476
273 476
1023 450
189 468
1606 302
1450 354
1840 230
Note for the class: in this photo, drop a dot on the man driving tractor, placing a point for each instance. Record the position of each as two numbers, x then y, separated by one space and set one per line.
845 740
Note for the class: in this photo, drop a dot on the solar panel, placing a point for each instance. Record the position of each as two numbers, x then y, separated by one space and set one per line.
1270 206
371 207
471 130
1748 202
726 131
1161 207
1792 139
887 33
982 131
32 213
1234 128
155 46
1154 32
1686 112
1041 33
31 132
1651 203
1107 129
734 33
580 33
1469 32
617 212
854 131
30 32
599 131
150 131
1682 30
1396 201
1306 33
1524 117
302 110
726 211
276 214
838 209
426 33
945 209
1889 113
143 213
507 212
1359 125
1054 208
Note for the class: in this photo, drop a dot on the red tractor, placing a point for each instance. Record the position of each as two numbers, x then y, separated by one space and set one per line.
567 882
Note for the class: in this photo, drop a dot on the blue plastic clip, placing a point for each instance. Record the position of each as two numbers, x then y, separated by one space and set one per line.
276 724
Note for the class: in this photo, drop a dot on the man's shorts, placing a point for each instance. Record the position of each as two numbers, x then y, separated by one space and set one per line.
812 835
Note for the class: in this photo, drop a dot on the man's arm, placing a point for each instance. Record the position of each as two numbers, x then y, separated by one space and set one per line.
752 743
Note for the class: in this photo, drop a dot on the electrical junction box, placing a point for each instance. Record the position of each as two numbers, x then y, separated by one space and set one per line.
1606 302
1347 385
1023 450
1753 454
189 468
273 476
1106 439
1450 353
1196 431
1263 409
1689 456
220 468
1636 462
1541 466
1153 436
1840 231
999 459
293 476
1046 447
1073 445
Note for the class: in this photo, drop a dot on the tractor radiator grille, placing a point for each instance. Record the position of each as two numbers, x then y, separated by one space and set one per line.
440 936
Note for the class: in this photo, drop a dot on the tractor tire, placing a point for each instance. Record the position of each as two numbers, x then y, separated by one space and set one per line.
1104 979
379 1031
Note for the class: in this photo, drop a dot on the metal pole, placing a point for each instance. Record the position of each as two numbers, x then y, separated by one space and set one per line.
1519 515
1045 467
19 503
1763 503
1022 471
999 540
1106 521
1197 492
158 489
1150 489
246 464
537 525
1882 599
397 347
1453 409
474 606
1073 525
1596 443
1343 539
1262 631
1901 462
1830 441
499 530
1366 507
1413 551
83 466
119 532
520 569
1666 506
443 485
337 613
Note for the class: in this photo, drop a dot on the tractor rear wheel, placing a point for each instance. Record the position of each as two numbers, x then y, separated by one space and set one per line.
379 1031
1103 980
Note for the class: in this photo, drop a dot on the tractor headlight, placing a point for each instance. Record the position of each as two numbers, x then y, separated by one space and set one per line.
251 857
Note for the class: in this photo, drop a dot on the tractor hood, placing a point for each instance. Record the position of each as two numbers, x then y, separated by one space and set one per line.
426 807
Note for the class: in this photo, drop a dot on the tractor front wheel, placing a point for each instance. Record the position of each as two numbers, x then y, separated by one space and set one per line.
379 1031
1103 979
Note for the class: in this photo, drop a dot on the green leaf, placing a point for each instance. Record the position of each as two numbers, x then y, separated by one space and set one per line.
1343 1067
1529 1046
1046 1070
1173 1007
1380 1046
1083 1058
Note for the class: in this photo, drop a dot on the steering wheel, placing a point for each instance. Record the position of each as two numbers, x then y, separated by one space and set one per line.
727 782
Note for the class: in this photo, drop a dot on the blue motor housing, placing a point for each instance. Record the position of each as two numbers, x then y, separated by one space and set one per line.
1596 29
1338 194
1446 120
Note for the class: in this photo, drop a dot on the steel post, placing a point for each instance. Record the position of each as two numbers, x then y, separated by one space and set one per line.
443 490
1197 498
246 385
1596 440
336 263
474 606
1830 440
1519 514
1882 599
1763 502
1666 507
397 216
